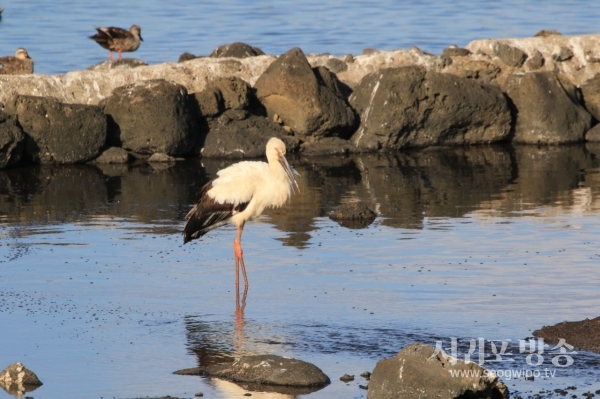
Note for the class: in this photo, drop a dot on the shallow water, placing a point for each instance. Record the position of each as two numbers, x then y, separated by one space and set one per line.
100 298
56 33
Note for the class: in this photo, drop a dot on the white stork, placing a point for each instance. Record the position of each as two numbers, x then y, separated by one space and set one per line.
240 193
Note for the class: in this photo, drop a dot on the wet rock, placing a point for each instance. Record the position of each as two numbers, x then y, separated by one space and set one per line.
57 132
580 334
536 61
236 50
544 119
510 55
307 100
125 63
271 370
593 135
590 91
413 107
16 379
454 51
12 141
326 146
366 374
152 116
114 155
347 378
414 373
353 215
161 157
237 134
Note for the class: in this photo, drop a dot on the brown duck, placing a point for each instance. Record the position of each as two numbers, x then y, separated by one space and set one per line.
20 64
118 39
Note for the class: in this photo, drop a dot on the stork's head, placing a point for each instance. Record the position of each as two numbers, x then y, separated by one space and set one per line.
276 155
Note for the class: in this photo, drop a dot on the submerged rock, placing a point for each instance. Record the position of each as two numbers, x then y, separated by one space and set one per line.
415 372
353 215
16 379
580 334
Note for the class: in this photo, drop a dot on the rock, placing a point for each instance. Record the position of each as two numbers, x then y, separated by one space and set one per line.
353 215
590 91
186 57
510 55
113 155
210 101
593 135
125 63
454 51
536 61
335 65
236 50
160 157
236 134
16 379
366 374
152 116
562 53
271 370
546 33
12 141
57 132
235 92
579 334
542 118
327 146
414 373
413 107
347 378
307 100
482 71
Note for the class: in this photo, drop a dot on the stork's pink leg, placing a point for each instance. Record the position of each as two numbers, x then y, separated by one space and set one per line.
239 263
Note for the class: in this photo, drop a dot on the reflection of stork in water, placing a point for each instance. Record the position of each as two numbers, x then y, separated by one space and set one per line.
241 192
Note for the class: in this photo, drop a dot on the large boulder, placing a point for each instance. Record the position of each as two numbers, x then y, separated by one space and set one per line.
152 116
12 141
579 334
591 96
418 372
17 379
307 100
546 113
413 107
237 134
58 132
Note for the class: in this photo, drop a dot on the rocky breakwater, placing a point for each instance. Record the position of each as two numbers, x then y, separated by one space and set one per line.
539 90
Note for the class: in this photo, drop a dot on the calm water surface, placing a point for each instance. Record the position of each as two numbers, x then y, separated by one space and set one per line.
56 33
100 298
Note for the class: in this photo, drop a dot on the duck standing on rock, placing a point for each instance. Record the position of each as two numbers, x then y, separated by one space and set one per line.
118 39
20 64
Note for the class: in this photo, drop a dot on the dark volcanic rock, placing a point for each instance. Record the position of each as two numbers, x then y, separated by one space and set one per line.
271 370
562 53
125 63
547 32
454 51
580 334
12 141
511 56
152 116
336 65
593 135
542 118
414 373
58 132
353 215
590 91
236 50
113 155
536 61
413 107
16 379
236 134
307 100
186 57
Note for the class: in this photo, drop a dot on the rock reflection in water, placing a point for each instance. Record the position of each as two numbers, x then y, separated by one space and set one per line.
405 189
